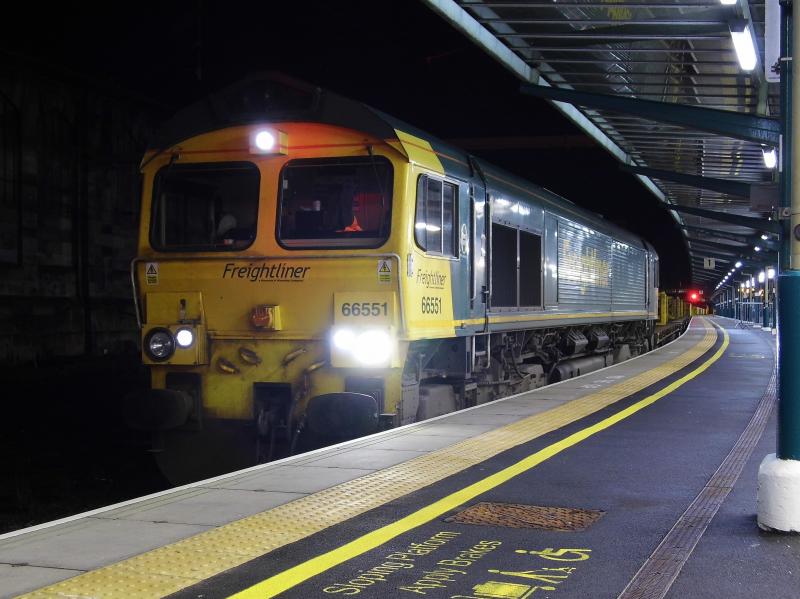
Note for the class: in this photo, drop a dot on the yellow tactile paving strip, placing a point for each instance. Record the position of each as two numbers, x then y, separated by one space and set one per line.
168 569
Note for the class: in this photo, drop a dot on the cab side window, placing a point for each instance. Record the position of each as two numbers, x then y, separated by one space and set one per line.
435 227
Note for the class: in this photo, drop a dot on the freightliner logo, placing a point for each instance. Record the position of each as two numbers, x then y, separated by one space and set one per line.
266 273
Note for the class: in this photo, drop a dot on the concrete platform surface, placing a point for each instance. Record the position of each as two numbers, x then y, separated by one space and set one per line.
637 441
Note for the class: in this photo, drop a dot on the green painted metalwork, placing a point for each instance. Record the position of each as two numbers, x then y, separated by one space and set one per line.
721 185
758 224
788 361
788 292
738 125
721 246
787 32
748 239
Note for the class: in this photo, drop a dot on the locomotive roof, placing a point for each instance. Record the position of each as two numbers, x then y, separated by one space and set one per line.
275 97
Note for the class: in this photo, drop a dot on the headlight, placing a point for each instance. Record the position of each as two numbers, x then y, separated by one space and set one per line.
159 344
344 339
184 338
368 348
373 347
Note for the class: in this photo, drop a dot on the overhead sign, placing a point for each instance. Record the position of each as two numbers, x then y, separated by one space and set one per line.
709 263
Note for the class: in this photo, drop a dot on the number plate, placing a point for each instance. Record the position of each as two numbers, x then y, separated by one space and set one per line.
364 307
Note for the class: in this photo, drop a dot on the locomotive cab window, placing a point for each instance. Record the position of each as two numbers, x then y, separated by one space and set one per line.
205 207
435 226
335 202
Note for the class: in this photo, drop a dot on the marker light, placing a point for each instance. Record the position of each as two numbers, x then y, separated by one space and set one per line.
770 273
184 338
770 157
738 265
743 44
265 141
269 141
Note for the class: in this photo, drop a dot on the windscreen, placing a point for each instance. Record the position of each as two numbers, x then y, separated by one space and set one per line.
335 202
205 207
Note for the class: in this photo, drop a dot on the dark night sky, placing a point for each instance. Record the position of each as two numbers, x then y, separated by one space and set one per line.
396 55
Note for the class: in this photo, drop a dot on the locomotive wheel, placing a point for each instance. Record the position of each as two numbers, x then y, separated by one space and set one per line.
186 456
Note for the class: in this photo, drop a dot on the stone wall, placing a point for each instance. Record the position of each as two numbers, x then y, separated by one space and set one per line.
69 201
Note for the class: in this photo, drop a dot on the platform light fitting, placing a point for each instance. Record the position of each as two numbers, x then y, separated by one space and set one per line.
770 273
728 2
757 248
738 264
765 237
770 157
762 276
743 43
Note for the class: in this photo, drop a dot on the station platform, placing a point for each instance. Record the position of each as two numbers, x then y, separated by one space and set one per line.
634 481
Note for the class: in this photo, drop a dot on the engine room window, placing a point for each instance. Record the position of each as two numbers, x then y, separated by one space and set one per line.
530 269
504 266
335 202
205 207
434 226
516 264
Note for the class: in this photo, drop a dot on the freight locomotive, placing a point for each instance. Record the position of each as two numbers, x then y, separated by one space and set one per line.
311 270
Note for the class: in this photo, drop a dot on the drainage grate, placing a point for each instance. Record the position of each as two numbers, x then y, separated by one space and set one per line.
527 516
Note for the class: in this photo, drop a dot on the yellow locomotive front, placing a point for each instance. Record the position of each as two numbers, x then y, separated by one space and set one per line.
268 277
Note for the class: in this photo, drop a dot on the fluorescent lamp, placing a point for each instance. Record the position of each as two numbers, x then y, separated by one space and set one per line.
743 44
757 248
728 2
770 273
738 265
765 237
770 157
762 276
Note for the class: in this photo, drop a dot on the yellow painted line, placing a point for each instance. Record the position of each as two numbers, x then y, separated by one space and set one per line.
170 568
293 576
444 324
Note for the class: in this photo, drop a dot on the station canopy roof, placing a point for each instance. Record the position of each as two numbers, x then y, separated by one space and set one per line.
659 84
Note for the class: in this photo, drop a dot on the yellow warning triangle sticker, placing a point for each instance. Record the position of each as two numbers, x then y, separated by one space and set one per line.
384 267
151 270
